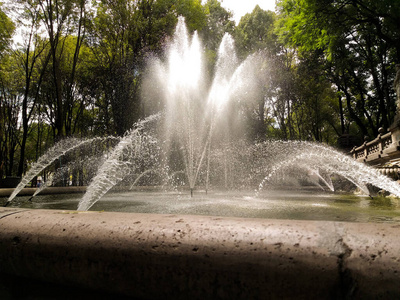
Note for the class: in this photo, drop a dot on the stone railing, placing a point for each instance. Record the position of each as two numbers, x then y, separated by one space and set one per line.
378 151
384 151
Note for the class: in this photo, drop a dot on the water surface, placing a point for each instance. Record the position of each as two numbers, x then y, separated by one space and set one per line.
272 204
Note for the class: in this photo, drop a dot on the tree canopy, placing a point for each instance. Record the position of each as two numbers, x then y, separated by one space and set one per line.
7 28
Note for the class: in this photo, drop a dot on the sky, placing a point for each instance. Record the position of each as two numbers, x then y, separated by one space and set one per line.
241 7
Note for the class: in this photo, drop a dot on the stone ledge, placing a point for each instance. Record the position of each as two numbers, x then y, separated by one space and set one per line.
6 192
154 256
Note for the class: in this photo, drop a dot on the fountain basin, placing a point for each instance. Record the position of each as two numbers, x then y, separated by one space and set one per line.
153 256
49 190
290 203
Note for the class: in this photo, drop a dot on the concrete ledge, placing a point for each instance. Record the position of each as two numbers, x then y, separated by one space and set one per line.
199 257
47 191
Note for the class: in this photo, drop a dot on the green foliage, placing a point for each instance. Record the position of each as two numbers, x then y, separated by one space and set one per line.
255 31
316 24
299 25
10 108
315 111
7 28
218 23
193 12
361 44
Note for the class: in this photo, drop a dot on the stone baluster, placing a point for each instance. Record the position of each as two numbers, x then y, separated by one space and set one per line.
365 146
381 131
397 89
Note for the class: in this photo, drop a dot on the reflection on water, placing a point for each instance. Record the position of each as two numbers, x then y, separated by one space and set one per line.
301 205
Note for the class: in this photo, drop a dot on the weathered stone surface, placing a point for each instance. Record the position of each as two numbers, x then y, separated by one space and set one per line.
200 257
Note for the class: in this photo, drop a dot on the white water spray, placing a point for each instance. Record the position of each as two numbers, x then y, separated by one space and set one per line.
54 153
124 159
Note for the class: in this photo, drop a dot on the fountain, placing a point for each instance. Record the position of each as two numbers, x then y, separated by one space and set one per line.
184 256
195 111
193 131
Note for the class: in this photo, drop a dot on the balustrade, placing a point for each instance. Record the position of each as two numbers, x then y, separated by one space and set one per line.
373 149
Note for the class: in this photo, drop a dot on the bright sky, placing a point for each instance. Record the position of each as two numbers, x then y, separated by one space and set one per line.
241 7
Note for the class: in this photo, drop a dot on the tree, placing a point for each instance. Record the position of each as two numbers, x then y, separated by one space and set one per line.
109 41
361 44
61 20
7 28
315 111
363 72
10 104
255 33
282 92
312 24
28 58
219 22
124 34
37 54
